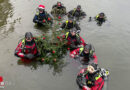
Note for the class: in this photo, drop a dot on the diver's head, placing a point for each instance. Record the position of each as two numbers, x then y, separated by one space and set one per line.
28 36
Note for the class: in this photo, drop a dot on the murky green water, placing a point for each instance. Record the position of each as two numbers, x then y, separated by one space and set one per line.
5 8
111 42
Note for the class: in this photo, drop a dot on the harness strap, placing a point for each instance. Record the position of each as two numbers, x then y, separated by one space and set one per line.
67 34
73 11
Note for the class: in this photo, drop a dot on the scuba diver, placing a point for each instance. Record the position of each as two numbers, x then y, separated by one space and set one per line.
74 40
42 17
88 52
58 9
92 77
70 24
100 18
77 13
27 47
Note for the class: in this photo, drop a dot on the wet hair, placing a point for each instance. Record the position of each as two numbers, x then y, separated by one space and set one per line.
73 30
88 47
102 14
58 3
79 7
28 35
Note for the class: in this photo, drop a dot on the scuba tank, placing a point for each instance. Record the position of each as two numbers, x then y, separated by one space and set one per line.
104 73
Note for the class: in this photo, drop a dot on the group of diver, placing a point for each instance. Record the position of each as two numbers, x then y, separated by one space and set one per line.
59 10
90 78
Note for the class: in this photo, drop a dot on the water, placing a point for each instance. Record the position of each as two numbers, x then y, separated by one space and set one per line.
111 42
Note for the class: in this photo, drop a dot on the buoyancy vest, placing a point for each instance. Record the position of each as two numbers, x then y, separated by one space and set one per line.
73 40
41 16
67 34
90 52
74 11
92 78
68 22
29 48
99 15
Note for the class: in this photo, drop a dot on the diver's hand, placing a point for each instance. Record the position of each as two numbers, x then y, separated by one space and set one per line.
39 21
85 87
78 31
25 56
59 29
76 56
29 56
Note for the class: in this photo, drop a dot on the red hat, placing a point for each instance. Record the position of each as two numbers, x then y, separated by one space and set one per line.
41 7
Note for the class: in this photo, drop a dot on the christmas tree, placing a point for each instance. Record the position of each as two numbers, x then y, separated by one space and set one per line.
52 46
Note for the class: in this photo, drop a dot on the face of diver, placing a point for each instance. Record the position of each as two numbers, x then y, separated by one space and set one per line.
101 16
70 21
91 69
41 10
59 4
78 9
86 51
73 33
29 39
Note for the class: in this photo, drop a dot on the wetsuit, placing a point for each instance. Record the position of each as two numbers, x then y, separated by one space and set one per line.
68 25
74 41
91 56
76 13
26 49
93 81
41 18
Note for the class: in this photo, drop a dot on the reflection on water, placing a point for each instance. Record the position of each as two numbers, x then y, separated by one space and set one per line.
111 42
6 21
35 64
9 28
5 10
32 64
58 66
42 28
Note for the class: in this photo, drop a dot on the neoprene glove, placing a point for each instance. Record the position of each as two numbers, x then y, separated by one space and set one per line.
78 31
36 21
30 56
73 46
84 80
39 21
25 56
76 57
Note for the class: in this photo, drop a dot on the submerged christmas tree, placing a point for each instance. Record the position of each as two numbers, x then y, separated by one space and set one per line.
52 47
